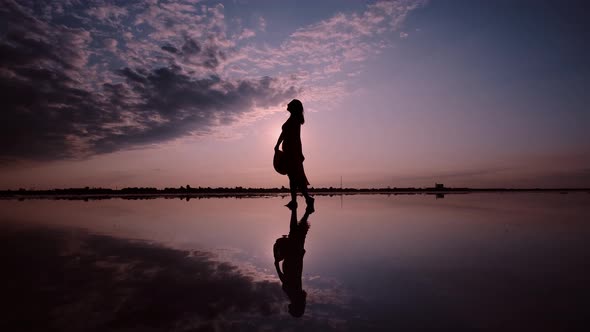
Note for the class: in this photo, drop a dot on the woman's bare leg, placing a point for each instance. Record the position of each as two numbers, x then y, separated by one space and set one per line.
305 193
293 189
308 199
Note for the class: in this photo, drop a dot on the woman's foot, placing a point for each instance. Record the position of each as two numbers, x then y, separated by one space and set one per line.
291 205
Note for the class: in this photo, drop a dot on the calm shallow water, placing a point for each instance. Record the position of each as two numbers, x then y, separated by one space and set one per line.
487 261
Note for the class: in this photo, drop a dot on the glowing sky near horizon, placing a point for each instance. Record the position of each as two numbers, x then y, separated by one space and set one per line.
396 93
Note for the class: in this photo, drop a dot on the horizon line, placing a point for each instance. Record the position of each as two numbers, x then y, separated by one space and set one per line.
189 189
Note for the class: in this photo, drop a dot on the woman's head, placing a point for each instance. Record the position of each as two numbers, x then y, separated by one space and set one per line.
295 107
297 305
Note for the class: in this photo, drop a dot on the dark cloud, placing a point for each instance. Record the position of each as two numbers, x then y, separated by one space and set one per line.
191 51
169 48
191 47
61 100
167 103
42 101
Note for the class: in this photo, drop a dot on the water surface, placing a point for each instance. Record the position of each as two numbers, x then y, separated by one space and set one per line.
513 261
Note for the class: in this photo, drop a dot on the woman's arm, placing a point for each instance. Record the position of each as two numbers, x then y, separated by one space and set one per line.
279 271
279 141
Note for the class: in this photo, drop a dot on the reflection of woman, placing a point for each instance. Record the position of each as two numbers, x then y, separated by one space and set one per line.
293 152
291 250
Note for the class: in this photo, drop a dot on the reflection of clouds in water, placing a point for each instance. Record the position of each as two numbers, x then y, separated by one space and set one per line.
73 280
322 291
254 267
326 291
329 301
114 283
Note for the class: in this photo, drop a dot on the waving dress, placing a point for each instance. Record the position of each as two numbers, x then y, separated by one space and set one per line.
293 152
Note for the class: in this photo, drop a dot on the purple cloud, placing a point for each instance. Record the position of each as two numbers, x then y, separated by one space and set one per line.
67 99
317 53
102 76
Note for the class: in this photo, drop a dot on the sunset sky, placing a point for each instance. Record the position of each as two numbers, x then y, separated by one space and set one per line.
396 93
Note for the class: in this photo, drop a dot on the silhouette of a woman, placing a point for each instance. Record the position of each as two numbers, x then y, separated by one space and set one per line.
293 152
290 249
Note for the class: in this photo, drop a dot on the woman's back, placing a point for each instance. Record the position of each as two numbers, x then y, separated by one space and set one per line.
292 137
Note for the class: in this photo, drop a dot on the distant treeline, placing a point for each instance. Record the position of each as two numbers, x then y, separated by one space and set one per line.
193 190
188 190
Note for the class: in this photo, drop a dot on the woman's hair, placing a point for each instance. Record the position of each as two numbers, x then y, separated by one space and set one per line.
296 109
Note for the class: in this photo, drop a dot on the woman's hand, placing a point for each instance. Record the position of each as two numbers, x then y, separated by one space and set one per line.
279 141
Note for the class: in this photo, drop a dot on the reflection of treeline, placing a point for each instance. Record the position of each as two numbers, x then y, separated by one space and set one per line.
149 192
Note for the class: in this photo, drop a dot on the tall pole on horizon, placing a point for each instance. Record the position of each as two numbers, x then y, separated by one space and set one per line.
341 194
